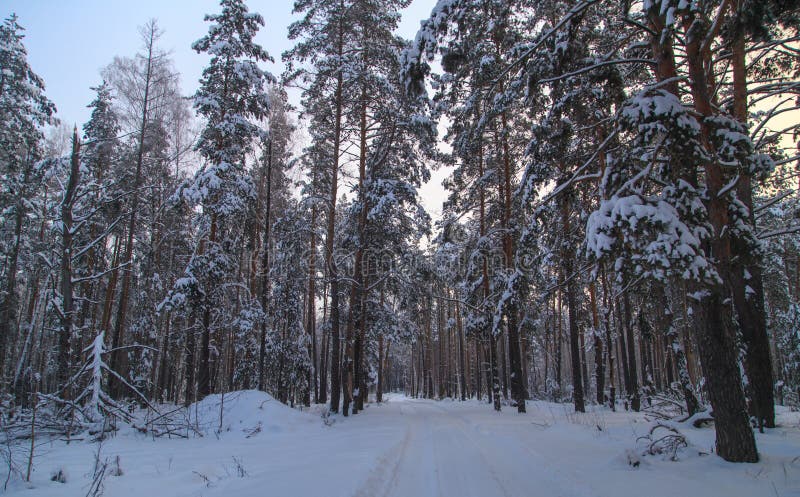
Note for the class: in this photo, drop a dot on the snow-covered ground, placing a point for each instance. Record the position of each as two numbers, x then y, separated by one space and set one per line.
415 448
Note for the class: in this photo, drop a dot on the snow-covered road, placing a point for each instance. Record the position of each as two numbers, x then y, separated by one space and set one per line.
444 452
415 448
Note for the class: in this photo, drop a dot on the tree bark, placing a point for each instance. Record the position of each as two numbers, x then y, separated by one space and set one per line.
746 273
599 372
462 360
716 343
633 370
607 307
66 311
333 274
204 372
568 263
116 354
311 316
514 357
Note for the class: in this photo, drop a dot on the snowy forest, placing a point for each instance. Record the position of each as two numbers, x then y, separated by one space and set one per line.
619 239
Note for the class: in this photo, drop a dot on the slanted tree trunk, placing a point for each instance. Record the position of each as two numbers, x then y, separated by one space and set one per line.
66 310
116 358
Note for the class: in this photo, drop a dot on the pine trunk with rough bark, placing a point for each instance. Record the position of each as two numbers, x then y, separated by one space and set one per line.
333 275
567 260
746 273
599 371
716 339
630 353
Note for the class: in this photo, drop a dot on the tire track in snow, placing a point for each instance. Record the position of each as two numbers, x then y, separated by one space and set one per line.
443 453
383 476
486 464
486 446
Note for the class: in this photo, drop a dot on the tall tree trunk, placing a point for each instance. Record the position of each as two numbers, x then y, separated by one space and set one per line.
716 342
514 357
189 365
361 348
492 375
558 340
462 359
336 385
66 311
480 370
622 352
262 340
116 358
633 371
676 346
8 304
163 373
746 274
381 365
442 337
567 255
428 363
495 373
324 353
355 323
612 387
204 371
311 315
599 372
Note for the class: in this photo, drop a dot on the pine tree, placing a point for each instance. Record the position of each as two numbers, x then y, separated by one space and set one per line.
231 97
747 20
325 34
24 110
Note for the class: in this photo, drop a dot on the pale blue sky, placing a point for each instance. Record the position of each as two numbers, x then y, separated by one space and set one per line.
69 41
